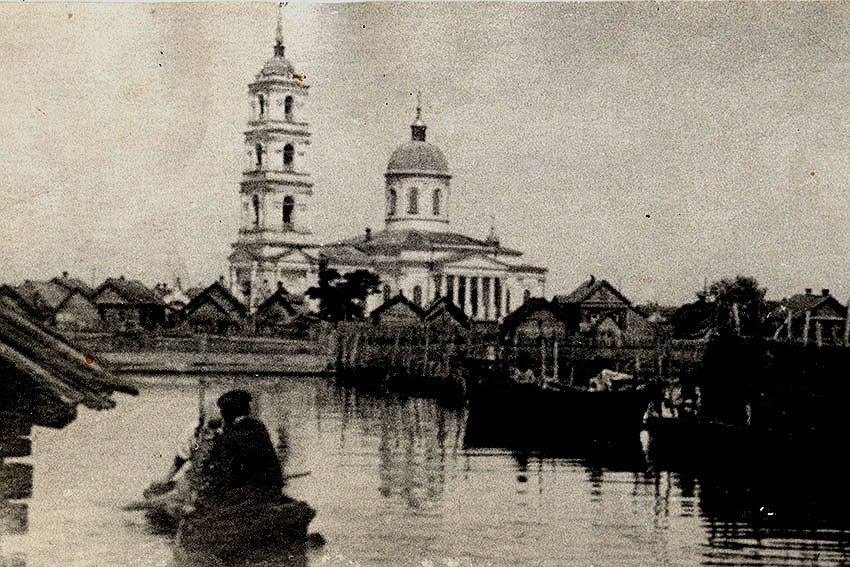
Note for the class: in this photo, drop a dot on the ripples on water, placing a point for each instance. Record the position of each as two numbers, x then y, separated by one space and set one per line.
395 485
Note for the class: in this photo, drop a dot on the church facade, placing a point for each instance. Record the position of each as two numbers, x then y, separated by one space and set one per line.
416 253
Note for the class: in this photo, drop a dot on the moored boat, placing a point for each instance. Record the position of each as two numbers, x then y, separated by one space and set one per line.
530 413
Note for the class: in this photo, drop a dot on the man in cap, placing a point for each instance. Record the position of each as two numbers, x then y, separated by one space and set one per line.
242 462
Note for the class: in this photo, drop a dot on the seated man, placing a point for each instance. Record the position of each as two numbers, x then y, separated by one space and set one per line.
241 463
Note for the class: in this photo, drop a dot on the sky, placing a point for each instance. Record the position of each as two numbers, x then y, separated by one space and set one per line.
656 145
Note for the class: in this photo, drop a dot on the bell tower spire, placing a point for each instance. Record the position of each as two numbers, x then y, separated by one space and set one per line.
278 44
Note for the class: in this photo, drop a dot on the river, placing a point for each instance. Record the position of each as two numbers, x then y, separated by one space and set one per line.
394 485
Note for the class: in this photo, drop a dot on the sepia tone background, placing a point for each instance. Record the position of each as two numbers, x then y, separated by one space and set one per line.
655 145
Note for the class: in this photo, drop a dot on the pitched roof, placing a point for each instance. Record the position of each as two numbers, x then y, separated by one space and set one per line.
445 305
586 290
74 284
530 306
133 292
31 305
57 372
279 297
219 296
399 299
49 294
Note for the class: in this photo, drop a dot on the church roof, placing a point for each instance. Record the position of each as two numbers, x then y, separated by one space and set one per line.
418 156
278 66
392 242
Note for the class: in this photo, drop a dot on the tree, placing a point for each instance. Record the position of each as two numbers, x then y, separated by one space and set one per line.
343 297
739 305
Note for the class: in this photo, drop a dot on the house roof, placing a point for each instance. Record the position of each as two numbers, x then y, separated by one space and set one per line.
586 290
133 292
57 372
799 303
74 284
529 306
49 294
31 305
280 297
399 299
445 305
220 297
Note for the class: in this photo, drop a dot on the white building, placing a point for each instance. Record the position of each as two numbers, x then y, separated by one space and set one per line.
416 253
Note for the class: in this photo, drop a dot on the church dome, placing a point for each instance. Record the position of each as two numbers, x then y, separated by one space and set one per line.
418 156
278 66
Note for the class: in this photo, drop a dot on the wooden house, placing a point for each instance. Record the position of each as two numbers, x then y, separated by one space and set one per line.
398 311
597 310
446 322
67 303
534 319
279 313
128 305
809 318
214 311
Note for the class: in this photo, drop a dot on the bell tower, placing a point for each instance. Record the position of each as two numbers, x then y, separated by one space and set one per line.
276 184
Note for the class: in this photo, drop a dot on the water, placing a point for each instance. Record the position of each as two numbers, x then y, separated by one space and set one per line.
394 486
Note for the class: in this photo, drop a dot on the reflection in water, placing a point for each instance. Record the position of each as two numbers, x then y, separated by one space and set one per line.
394 486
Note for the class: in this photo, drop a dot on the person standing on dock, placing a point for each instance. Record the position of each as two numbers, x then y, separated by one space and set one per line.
242 462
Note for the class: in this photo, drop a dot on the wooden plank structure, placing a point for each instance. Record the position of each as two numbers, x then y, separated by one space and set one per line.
43 379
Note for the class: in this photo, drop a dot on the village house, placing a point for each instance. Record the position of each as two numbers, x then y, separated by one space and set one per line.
536 318
126 305
279 313
398 311
67 302
597 310
809 318
214 311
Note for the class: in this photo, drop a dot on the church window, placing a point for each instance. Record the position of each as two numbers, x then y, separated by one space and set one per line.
461 293
288 207
262 102
259 151
287 107
288 155
413 201
507 301
417 295
392 199
256 202
386 292
436 202
450 288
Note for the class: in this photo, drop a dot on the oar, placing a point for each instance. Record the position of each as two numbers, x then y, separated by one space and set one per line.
297 475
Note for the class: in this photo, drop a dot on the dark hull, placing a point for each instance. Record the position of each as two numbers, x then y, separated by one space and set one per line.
246 530
527 416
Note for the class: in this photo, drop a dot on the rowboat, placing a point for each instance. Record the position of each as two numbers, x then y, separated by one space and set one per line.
246 529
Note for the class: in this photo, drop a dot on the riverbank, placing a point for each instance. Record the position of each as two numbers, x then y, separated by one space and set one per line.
146 354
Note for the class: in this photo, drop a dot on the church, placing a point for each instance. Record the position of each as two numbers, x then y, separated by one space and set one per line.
416 253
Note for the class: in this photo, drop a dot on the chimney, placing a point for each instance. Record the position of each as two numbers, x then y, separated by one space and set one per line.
808 291
824 292
221 280
279 285
368 234
65 275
